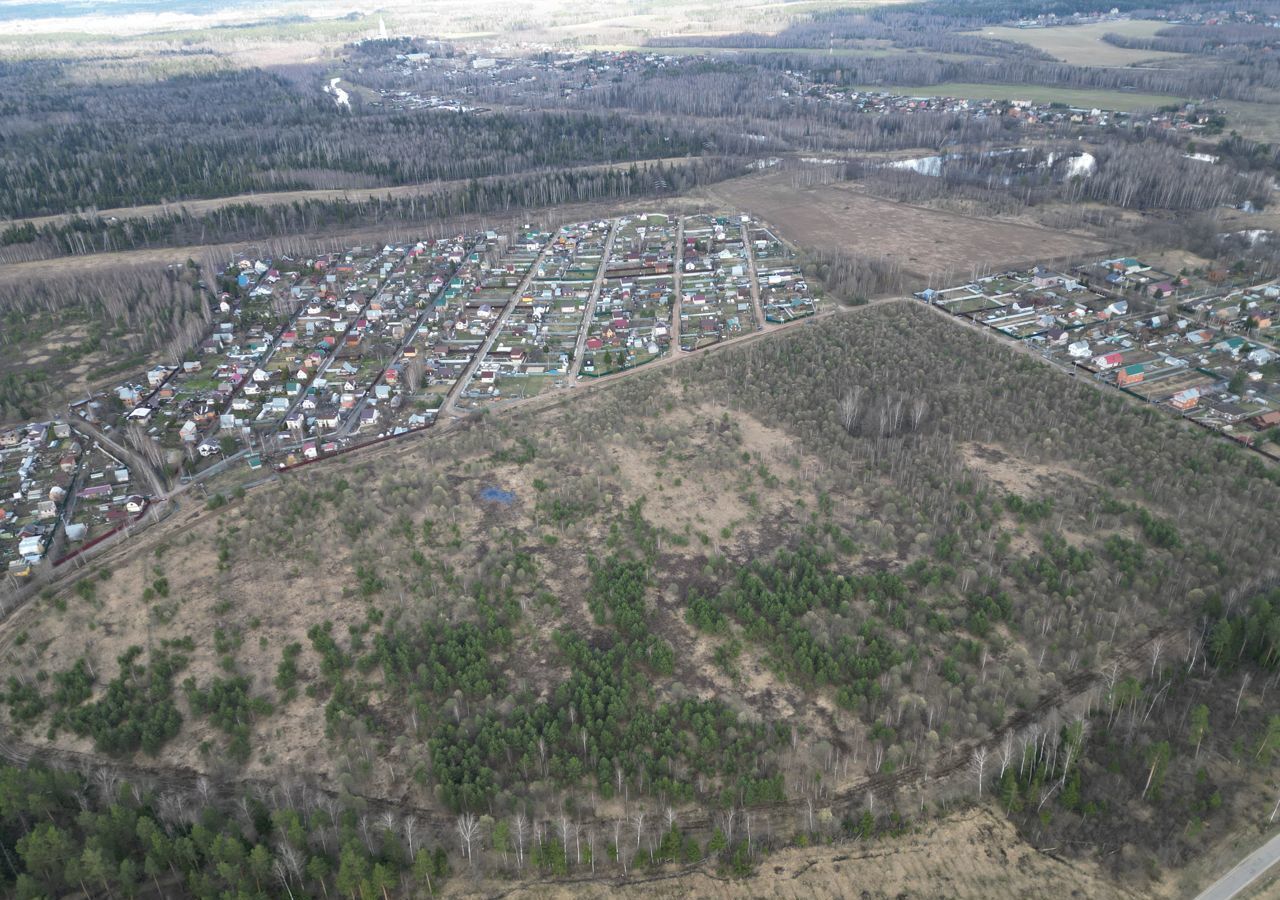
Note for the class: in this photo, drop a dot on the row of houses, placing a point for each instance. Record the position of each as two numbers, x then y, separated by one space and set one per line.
538 340
715 281
1037 304
55 483
631 324
1209 359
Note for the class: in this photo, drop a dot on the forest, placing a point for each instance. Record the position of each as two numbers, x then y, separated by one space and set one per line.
70 147
490 197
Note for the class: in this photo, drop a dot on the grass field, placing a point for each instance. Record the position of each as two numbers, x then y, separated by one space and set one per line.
1126 101
923 241
1258 121
872 50
1083 45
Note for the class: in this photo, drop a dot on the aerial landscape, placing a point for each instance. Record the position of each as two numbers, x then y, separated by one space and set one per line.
667 448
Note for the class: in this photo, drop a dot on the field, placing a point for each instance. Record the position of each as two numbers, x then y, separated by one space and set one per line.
867 50
1257 121
1083 45
1124 101
923 241
246 33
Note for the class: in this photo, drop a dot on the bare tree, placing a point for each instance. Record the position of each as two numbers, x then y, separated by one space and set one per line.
1006 753
468 832
204 790
108 780
617 844
282 875
979 765
521 827
1244 684
410 832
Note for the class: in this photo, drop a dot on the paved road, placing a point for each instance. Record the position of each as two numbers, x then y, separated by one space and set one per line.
1246 872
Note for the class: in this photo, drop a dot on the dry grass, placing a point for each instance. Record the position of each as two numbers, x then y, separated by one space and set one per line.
924 242
977 854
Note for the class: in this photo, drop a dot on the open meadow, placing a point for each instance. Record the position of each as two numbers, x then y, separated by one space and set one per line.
1082 45
925 242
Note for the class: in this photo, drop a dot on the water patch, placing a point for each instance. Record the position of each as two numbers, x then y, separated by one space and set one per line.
493 494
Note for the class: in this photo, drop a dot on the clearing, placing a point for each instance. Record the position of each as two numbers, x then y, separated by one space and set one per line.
1082 45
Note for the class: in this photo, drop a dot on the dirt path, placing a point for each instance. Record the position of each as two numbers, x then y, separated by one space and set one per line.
450 405
278 198
751 272
596 286
677 299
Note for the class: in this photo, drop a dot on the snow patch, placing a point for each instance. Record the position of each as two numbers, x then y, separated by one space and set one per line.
340 97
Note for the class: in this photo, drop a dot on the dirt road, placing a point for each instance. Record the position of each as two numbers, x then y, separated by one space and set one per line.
277 198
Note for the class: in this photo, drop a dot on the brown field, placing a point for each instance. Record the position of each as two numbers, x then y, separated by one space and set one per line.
732 483
925 242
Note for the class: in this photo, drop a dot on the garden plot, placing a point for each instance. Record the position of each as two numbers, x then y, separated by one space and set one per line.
441 346
279 327
715 285
632 321
645 245
104 497
542 331
411 300
40 468
631 325
517 339
783 291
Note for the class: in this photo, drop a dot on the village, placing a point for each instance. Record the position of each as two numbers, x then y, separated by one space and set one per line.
468 83
1201 344
305 358
59 488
